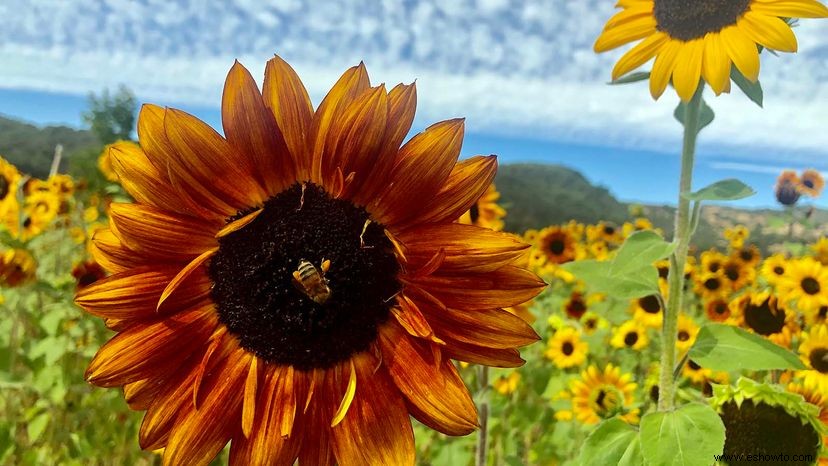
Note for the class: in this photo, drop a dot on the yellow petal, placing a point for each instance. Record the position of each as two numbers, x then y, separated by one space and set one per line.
768 31
663 68
742 51
347 399
688 68
639 54
716 63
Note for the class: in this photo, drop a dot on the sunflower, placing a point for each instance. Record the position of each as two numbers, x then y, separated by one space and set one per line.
576 305
747 254
507 384
807 283
9 179
566 349
737 274
630 334
811 183
105 163
485 212
710 285
762 313
813 351
686 333
817 316
39 210
773 268
717 310
300 286
603 394
700 39
736 236
820 250
592 322
558 245
17 268
87 273
606 232
648 311
787 188
711 261
696 373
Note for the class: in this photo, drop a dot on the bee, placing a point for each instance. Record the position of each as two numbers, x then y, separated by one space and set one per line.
311 280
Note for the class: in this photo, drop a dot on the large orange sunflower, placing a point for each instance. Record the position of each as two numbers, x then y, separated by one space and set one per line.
693 39
300 286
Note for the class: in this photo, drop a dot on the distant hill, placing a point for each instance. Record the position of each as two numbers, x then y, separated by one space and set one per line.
31 148
537 195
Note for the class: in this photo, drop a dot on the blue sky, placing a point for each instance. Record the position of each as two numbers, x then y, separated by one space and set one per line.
522 73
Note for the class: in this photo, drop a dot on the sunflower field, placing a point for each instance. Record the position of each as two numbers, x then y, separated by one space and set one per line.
314 285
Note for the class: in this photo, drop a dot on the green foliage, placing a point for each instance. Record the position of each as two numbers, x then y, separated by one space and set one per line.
688 436
730 189
632 78
631 273
613 442
725 348
31 148
751 89
111 117
706 114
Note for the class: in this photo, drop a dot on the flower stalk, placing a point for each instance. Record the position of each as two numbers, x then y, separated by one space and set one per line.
681 238
483 415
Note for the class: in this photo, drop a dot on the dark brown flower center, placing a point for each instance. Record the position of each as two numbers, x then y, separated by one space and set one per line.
746 255
692 365
765 318
631 338
808 183
720 307
576 307
712 284
691 19
474 213
765 431
683 335
810 285
650 304
567 348
714 266
779 270
819 359
281 319
732 272
609 230
5 186
557 246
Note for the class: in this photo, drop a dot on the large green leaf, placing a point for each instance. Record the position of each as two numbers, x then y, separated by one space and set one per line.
612 442
639 250
688 436
634 283
723 347
730 189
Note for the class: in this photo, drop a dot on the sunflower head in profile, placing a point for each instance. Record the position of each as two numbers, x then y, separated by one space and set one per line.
763 314
807 283
701 39
811 183
787 188
299 286
766 420
558 245
602 394
566 349
631 334
486 212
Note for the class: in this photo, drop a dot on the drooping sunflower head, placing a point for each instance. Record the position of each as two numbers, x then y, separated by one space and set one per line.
762 313
787 188
701 39
300 285
630 334
766 420
811 183
566 349
602 394
558 245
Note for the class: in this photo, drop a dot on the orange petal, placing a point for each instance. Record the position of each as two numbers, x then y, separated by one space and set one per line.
507 286
134 294
207 167
140 394
112 255
467 248
199 435
351 84
424 164
249 405
493 328
377 429
176 285
288 100
314 424
172 401
154 232
146 349
411 319
436 394
251 128
507 357
467 182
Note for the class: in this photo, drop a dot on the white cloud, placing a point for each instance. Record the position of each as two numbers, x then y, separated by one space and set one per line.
515 67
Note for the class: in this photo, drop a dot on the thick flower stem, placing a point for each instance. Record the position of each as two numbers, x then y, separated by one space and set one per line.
681 238
483 414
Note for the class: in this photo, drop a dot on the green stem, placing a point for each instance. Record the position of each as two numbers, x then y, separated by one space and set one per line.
483 413
681 238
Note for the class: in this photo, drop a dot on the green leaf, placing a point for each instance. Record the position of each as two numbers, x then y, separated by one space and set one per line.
632 78
706 114
639 250
612 442
37 426
723 347
688 436
751 89
634 283
730 189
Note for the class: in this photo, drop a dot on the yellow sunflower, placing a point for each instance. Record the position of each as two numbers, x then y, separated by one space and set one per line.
486 212
9 179
606 232
696 373
507 384
773 268
647 310
736 236
17 268
558 245
737 274
592 322
813 351
603 394
710 285
762 313
811 183
686 333
747 254
701 39
299 286
820 250
712 261
807 283
630 334
40 208
566 349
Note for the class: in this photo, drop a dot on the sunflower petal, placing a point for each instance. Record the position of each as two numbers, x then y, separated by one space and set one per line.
506 357
288 100
663 67
249 404
716 63
348 398
742 51
506 286
790 8
768 31
688 69
640 54
181 277
624 33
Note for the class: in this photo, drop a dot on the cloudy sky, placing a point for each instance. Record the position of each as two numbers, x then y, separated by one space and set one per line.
523 73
